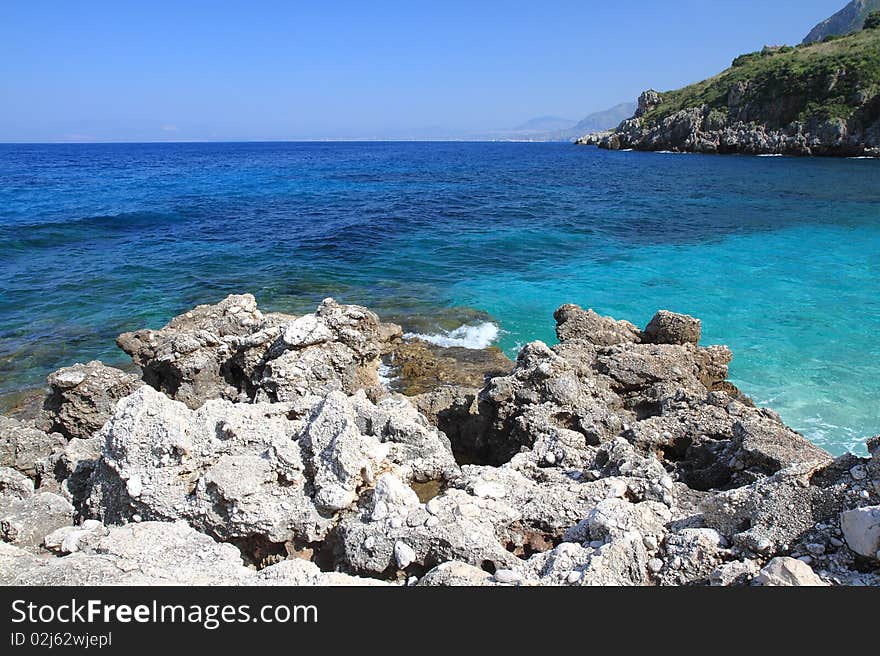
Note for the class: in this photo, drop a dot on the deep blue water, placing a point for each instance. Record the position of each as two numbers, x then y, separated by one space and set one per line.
780 257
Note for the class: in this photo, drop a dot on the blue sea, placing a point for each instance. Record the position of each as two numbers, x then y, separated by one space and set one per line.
467 243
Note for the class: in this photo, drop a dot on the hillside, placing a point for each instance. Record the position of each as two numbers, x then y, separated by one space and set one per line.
820 99
849 19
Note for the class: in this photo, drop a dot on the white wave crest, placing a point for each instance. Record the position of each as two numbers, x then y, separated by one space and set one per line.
771 155
473 337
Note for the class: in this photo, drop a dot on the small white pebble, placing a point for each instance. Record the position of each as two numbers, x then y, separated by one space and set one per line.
574 576
507 576
655 565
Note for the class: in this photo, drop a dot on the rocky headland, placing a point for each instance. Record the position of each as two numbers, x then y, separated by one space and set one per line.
266 449
819 99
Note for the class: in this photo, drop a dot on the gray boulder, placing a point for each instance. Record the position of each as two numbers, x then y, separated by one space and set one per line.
26 521
22 447
861 529
83 397
783 571
671 328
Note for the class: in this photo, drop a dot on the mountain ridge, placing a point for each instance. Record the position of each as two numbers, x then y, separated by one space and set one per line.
849 19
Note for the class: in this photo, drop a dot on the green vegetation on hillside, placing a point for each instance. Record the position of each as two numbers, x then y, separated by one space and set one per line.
832 79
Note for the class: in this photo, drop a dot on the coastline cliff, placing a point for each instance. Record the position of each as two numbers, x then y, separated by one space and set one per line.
814 99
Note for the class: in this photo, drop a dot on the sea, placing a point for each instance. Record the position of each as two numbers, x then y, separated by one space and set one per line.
468 244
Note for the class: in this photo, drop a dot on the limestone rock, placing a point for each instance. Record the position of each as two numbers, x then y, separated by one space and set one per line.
671 328
84 396
14 484
573 322
26 521
193 358
22 447
341 458
784 571
861 530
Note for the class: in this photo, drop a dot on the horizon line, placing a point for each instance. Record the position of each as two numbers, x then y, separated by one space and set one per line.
244 141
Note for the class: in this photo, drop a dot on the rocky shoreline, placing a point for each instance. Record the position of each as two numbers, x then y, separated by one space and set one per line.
704 130
265 449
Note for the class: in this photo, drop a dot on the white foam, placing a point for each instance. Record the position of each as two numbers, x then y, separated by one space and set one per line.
386 374
771 155
473 337
863 157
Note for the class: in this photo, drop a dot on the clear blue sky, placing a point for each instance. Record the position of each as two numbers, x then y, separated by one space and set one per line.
192 70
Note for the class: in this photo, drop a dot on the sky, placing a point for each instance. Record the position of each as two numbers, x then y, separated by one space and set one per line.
263 70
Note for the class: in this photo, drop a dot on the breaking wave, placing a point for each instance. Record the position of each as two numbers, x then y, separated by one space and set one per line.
479 336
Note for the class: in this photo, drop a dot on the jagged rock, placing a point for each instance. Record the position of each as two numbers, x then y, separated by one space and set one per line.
342 459
575 323
861 529
193 358
420 452
22 447
453 526
548 395
784 571
154 553
616 457
692 555
777 510
613 518
296 571
14 484
230 470
648 101
335 349
556 566
67 471
83 397
273 470
26 521
233 351
622 562
671 328
456 412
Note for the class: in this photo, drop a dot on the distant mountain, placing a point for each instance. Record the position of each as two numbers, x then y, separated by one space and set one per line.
553 128
545 124
605 120
849 19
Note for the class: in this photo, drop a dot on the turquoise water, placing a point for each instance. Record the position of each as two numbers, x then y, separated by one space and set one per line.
470 243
